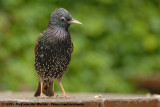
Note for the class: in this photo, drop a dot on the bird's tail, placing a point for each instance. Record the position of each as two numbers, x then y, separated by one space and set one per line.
48 89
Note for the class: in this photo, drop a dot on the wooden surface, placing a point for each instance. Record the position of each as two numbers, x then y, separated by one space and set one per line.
26 99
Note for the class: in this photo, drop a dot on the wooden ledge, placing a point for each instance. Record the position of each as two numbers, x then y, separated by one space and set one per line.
26 99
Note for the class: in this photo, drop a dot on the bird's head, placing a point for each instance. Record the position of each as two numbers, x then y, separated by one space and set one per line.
62 18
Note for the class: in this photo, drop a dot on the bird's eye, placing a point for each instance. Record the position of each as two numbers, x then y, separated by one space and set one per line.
63 19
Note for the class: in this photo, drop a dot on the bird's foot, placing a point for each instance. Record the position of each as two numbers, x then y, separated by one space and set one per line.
63 96
42 96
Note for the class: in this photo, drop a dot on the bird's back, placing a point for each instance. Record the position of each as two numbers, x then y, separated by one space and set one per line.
52 54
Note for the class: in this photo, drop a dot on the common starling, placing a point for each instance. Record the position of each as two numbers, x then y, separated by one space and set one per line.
53 50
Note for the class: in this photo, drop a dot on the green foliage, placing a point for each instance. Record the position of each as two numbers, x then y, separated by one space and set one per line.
119 40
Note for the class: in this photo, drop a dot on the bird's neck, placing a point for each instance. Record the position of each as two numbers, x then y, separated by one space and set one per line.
53 26
57 32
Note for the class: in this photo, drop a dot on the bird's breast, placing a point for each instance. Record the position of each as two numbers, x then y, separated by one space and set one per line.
53 53
53 56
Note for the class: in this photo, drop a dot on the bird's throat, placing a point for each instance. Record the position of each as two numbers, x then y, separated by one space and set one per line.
58 33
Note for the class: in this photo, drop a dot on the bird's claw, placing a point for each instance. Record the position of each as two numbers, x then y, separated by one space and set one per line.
42 96
62 96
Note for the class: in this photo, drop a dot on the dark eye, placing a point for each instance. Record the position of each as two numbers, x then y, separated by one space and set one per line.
63 19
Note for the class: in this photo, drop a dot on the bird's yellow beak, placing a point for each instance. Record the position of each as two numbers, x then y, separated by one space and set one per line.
73 21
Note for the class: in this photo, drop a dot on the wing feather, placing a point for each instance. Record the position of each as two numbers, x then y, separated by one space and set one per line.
35 47
72 47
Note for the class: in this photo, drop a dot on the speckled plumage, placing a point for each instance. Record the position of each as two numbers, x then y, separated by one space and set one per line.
53 54
53 51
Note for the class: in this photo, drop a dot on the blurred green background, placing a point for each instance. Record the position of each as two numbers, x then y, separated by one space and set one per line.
118 41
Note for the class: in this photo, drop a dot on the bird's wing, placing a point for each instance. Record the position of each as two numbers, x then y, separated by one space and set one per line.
72 48
35 48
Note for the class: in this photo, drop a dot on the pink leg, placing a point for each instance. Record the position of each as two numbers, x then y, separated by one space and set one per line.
64 93
41 94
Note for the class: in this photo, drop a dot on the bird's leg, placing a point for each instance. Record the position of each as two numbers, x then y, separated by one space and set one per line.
41 94
64 93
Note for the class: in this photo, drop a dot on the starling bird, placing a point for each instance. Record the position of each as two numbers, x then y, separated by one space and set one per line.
53 52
